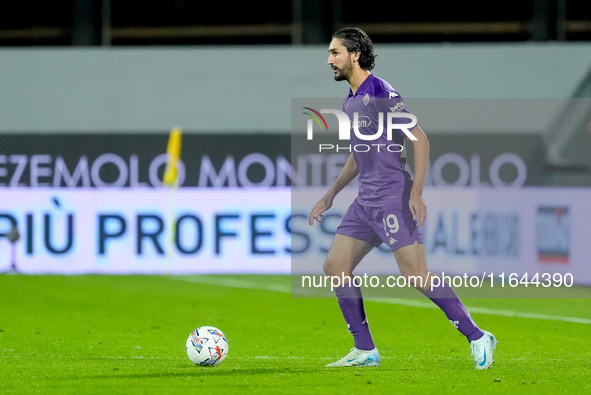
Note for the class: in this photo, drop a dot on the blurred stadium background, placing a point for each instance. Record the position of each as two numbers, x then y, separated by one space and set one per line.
90 90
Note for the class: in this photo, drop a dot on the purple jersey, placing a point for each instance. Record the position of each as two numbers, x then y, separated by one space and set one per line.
383 179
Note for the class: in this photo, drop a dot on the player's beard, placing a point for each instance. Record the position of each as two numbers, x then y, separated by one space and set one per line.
345 72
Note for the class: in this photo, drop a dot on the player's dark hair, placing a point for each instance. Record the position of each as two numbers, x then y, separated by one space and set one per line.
356 40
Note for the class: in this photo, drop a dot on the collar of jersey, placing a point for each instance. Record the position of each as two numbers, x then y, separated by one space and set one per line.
363 87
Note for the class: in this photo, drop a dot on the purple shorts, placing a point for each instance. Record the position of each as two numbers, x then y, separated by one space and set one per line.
390 224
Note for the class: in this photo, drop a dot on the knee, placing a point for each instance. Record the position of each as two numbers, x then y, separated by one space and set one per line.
328 268
332 268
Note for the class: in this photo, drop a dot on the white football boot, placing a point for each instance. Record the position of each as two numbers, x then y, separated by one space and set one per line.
482 350
359 358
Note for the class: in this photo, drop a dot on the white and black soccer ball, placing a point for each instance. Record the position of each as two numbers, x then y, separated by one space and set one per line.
207 346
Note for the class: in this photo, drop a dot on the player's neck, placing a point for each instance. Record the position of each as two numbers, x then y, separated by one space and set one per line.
357 79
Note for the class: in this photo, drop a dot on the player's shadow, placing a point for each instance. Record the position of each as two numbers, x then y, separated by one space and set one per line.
203 371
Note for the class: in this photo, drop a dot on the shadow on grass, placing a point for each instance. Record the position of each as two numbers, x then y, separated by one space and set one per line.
204 372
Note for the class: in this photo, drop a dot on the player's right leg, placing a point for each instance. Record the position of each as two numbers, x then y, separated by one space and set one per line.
345 254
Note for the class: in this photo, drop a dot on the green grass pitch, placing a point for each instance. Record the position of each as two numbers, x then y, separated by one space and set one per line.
126 334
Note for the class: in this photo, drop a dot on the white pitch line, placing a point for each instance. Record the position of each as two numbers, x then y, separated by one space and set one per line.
235 283
246 284
484 310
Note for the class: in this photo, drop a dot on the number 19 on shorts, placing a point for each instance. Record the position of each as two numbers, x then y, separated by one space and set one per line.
391 224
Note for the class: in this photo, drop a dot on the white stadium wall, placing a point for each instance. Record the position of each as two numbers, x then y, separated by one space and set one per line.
248 89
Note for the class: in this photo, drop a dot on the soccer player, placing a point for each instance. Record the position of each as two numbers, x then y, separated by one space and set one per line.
389 207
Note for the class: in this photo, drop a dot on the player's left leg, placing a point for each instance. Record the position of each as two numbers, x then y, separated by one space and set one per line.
412 262
396 226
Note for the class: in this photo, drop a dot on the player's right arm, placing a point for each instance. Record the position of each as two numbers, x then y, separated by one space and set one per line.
348 174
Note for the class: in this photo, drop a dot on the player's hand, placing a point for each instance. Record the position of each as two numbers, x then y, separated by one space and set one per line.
418 208
316 214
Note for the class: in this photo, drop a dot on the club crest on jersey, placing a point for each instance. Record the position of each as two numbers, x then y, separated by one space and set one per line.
366 99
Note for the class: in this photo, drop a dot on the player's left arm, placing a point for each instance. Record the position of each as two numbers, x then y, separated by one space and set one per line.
421 160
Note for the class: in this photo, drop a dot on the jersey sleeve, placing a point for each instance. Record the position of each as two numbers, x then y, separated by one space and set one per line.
390 101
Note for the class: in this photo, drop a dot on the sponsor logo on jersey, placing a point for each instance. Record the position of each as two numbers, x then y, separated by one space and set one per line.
398 107
363 121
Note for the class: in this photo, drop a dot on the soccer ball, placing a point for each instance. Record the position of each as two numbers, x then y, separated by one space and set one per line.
207 346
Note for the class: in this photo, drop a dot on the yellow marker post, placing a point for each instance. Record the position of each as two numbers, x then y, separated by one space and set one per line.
170 179
174 154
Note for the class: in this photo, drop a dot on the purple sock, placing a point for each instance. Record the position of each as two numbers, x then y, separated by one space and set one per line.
351 304
447 300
